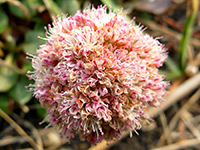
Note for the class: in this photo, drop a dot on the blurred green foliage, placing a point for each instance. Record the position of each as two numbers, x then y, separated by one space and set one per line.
4 20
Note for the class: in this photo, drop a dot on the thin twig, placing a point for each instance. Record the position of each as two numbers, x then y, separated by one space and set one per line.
19 129
190 126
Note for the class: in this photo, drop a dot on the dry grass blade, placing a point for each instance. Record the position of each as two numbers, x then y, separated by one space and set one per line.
11 140
188 123
57 145
181 91
166 130
184 89
180 145
196 119
35 133
103 145
169 32
185 107
19 129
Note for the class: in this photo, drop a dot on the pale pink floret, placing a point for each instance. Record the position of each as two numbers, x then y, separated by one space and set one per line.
97 74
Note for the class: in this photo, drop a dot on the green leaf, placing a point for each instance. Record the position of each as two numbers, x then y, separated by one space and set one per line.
184 41
27 67
30 5
53 7
32 36
170 75
69 6
186 35
32 42
4 21
146 16
39 26
16 11
111 3
8 77
4 102
30 48
33 5
174 71
42 112
10 42
171 65
19 93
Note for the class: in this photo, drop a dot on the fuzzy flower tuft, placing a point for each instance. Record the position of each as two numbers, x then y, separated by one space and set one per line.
97 74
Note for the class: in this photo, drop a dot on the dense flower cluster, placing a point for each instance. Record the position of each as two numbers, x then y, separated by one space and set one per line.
97 74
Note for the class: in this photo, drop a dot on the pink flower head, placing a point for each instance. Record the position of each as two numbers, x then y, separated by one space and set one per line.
97 74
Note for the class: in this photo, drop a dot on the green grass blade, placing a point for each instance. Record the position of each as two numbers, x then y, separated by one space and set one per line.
187 34
171 65
170 75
